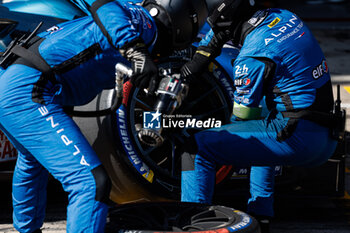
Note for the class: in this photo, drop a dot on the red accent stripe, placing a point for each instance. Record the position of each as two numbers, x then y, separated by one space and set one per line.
126 91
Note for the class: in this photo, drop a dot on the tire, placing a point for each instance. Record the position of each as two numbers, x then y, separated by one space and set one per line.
126 185
139 173
179 217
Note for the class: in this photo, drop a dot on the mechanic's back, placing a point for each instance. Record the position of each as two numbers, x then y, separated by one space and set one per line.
69 65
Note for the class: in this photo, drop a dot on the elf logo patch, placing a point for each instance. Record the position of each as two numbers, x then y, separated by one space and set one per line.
242 82
246 81
274 22
320 70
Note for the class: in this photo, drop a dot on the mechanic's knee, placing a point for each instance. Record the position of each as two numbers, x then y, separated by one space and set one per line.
187 161
103 184
190 145
206 144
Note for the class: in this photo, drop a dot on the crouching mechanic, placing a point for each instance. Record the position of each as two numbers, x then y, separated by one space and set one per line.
69 65
280 60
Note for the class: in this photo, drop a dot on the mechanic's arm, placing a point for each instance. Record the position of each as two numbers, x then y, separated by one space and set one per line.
116 20
209 48
251 78
122 22
145 72
83 5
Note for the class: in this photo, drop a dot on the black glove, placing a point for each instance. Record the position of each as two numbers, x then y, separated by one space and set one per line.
203 56
145 72
198 64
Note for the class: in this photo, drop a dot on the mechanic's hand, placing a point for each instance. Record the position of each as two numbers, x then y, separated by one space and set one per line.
145 72
218 40
204 55
198 64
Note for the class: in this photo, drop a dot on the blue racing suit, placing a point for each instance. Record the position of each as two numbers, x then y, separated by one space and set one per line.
81 55
84 5
281 61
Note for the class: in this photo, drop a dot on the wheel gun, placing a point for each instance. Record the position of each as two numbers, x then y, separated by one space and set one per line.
171 91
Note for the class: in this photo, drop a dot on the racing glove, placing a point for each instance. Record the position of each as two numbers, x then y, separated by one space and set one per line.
145 72
203 56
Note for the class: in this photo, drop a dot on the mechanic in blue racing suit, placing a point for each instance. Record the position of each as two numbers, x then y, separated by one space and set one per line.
280 60
69 65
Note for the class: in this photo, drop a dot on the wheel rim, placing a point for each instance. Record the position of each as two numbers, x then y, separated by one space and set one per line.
206 99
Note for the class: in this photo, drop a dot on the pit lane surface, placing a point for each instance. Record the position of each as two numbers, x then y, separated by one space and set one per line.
294 214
